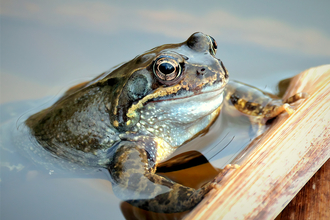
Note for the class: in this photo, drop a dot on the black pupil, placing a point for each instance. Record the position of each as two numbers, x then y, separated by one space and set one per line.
166 68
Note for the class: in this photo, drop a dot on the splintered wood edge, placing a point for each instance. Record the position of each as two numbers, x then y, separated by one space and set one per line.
286 157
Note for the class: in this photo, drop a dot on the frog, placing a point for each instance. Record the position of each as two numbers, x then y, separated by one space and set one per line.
132 118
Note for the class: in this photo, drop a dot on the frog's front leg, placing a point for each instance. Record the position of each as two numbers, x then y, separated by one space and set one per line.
132 169
258 105
254 102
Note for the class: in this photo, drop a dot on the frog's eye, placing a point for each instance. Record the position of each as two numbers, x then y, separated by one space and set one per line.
166 69
214 45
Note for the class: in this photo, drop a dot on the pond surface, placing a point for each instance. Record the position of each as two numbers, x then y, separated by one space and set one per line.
31 188
46 47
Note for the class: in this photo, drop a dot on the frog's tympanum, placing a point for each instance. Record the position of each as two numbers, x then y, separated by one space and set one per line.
134 117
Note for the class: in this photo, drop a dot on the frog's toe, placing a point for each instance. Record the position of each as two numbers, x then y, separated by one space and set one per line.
288 108
232 166
296 97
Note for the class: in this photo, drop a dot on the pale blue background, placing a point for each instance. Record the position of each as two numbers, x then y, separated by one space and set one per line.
47 46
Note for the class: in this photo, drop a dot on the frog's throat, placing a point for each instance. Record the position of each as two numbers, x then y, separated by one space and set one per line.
163 91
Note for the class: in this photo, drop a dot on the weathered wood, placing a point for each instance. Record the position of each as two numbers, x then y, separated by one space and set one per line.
312 201
285 158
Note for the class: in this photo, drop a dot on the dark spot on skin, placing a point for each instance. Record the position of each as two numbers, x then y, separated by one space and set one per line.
182 194
219 78
163 199
151 159
152 179
234 99
250 107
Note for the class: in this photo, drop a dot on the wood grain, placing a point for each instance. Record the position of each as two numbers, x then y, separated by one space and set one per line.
313 201
283 160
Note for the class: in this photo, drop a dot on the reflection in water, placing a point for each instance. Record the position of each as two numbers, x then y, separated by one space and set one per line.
193 177
30 191
283 86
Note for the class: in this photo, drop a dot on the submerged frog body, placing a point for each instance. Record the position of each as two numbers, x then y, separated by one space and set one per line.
133 118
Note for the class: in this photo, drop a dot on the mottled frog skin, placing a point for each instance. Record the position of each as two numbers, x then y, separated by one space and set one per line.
134 117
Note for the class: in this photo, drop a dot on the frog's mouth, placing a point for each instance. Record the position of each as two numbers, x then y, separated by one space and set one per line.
208 91
211 94
196 104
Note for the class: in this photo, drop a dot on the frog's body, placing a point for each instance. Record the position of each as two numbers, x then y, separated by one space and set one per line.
134 117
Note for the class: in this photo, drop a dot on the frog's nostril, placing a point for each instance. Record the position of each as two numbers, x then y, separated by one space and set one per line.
201 71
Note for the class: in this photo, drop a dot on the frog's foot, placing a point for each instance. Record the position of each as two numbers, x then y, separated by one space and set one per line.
231 166
288 108
291 100
283 108
288 105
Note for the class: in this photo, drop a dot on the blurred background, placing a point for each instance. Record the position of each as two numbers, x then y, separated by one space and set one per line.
48 46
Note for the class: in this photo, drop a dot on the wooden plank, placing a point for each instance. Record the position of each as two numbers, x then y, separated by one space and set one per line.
285 158
312 202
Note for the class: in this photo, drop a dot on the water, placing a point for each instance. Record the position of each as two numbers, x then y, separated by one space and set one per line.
29 191
48 46
34 188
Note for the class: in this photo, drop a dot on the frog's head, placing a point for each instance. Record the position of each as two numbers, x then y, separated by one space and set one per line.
175 84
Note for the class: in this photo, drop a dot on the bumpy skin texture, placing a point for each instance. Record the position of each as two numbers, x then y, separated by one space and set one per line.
259 105
130 119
